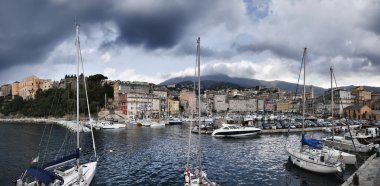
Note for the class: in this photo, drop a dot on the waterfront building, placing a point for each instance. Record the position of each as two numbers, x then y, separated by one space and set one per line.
5 90
374 115
360 95
237 104
126 87
342 99
283 106
260 104
187 100
14 88
356 111
220 103
269 106
27 87
173 107
251 105
140 105
162 94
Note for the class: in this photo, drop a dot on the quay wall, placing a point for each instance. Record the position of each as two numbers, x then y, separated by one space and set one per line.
368 173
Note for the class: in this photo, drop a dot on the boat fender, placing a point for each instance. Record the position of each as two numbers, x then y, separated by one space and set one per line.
341 158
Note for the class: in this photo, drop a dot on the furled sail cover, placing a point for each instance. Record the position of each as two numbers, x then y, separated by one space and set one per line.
70 157
42 175
311 142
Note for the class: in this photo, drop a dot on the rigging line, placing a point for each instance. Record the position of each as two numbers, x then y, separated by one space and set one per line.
47 144
88 105
55 101
199 112
60 148
298 82
43 133
192 115
341 104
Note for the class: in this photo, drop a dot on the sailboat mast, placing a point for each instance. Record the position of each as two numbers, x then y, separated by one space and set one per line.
304 89
78 58
199 110
332 103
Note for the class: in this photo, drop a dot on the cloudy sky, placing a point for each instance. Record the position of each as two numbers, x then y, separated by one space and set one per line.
153 40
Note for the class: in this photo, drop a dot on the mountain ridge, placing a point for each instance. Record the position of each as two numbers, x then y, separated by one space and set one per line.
252 83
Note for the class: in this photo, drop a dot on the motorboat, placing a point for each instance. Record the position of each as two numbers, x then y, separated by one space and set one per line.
174 121
108 125
157 124
235 131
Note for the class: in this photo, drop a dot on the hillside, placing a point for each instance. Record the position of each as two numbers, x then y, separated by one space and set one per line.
211 82
240 82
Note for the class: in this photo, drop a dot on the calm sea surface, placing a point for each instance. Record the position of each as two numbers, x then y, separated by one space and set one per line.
157 156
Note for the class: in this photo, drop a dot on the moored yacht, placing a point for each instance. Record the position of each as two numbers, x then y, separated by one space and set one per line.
349 144
235 131
174 121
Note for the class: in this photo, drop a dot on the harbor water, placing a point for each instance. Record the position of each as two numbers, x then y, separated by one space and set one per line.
157 156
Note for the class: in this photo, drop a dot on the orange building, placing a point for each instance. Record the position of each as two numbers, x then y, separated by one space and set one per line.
360 95
173 107
188 97
27 87
357 112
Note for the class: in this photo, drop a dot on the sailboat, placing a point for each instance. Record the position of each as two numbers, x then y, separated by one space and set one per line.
311 155
63 171
346 142
197 176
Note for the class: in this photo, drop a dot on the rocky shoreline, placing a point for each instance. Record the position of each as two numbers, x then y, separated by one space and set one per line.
71 125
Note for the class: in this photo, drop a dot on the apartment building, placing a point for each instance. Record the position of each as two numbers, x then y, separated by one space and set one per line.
220 103
173 107
284 106
188 100
140 105
126 87
5 89
27 87
360 95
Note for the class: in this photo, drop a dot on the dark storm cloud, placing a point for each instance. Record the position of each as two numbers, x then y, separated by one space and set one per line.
372 16
30 30
161 29
277 48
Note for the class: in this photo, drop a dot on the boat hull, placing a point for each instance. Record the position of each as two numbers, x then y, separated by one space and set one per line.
236 133
312 164
348 146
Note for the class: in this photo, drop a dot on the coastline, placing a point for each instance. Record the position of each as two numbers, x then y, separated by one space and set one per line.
71 125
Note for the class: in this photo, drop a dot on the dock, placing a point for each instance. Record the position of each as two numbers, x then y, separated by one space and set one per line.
271 131
368 174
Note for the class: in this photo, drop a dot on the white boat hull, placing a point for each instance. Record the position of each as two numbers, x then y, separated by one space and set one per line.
88 170
236 133
70 176
157 124
341 144
312 163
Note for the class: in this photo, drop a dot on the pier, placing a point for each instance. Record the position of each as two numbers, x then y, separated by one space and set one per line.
271 131
368 174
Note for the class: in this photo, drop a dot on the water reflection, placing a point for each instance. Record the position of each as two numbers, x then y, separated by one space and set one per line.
157 156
